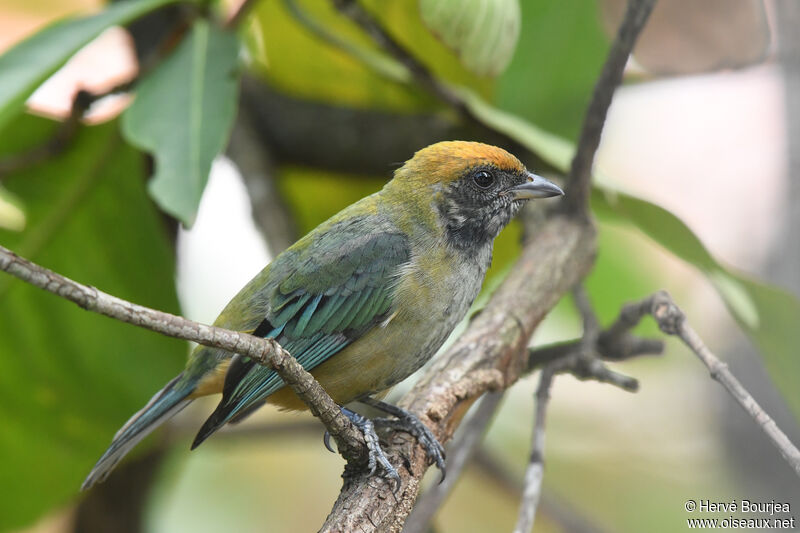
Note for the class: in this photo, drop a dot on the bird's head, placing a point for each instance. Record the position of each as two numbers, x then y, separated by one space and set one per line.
474 188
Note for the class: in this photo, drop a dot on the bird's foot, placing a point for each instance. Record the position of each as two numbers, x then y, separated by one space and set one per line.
406 421
376 454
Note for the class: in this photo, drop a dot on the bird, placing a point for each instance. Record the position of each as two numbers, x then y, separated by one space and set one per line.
362 301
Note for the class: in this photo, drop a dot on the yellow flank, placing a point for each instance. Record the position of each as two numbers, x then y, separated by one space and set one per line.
381 357
213 381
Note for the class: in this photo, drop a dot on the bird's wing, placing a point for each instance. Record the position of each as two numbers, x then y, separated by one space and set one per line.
322 296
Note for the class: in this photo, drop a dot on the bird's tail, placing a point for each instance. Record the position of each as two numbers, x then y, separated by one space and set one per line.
166 403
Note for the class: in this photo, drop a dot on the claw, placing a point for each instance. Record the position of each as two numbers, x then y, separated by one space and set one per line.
376 453
326 439
408 422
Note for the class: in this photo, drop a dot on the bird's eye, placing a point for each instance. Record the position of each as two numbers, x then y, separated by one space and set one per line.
483 179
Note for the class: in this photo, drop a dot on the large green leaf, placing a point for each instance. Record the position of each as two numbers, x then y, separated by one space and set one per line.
70 378
750 302
483 32
183 115
31 62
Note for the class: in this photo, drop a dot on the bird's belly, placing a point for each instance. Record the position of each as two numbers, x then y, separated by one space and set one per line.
426 314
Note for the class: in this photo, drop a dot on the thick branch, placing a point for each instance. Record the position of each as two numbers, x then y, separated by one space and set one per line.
490 355
580 177
672 321
265 351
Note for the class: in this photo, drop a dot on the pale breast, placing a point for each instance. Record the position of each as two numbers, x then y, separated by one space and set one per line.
432 296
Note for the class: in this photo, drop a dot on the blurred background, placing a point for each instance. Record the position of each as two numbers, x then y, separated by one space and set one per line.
707 126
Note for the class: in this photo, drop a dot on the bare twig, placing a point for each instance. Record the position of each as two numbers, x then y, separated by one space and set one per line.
583 358
534 473
265 351
580 176
672 321
457 458
618 348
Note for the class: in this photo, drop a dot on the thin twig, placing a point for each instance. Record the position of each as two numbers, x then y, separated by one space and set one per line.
458 457
583 358
580 176
535 471
672 321
264 351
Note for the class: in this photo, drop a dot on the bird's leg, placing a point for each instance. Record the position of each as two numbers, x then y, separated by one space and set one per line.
376 453
408 422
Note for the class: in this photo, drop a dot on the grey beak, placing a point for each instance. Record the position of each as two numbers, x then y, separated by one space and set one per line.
536 187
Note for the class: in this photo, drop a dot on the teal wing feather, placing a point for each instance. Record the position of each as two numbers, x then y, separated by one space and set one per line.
321 296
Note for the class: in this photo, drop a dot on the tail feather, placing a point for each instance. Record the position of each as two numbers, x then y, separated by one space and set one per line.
163 405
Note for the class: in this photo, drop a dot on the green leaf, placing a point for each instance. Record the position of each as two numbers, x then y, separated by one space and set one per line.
748 301
183 114
483 32
28 64
70 378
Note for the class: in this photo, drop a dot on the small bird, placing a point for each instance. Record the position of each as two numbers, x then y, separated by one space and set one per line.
362 301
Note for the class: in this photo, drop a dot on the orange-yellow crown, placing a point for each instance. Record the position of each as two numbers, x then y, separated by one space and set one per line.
446 161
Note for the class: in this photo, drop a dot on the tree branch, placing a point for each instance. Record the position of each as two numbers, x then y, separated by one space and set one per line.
580 177
534 473
672 321
265 351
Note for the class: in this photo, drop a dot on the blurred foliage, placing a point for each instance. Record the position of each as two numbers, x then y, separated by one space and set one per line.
68 378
